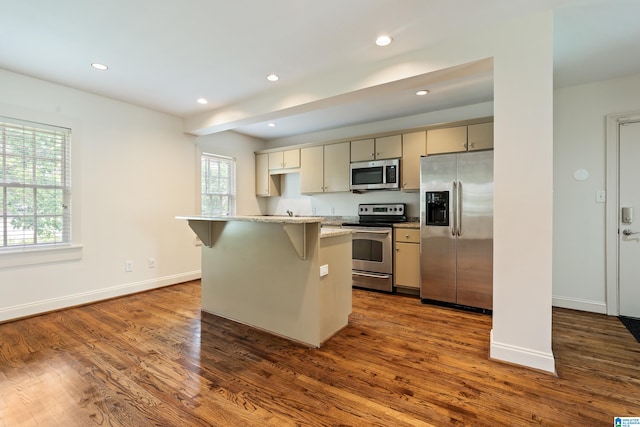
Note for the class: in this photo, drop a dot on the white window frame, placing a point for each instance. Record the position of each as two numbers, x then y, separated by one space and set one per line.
57 155
211 164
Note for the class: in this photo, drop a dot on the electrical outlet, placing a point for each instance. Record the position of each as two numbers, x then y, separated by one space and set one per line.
128 266
152 263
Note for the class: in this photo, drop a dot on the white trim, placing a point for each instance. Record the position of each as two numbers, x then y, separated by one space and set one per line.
522 356
580 304
611 210
32 255
51 304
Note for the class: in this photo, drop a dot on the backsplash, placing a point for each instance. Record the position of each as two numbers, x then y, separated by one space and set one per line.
333 204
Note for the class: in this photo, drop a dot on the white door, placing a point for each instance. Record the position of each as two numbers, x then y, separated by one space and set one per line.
629 220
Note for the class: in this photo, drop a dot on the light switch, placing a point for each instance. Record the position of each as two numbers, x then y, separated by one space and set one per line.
601 196
324 270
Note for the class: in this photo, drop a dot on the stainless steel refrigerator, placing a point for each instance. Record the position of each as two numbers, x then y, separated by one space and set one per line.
456 229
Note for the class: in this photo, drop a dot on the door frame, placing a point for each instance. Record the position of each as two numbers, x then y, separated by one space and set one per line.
612 209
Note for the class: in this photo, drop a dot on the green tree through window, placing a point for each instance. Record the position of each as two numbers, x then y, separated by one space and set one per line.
218 180
35 192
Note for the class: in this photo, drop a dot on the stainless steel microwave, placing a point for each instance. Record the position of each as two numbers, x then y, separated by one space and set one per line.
375 175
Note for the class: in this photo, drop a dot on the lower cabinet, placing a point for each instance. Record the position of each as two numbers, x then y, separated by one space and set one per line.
406 272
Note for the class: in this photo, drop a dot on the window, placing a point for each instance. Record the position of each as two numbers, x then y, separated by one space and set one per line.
35 184
218 177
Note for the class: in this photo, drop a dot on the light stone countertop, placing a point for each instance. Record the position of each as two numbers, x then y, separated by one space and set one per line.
410 224
332 232
278 219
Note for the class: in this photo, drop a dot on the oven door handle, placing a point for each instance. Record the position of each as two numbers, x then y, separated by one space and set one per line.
372 275
368 231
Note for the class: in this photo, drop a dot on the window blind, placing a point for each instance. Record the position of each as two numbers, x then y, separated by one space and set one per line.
218 179
35 184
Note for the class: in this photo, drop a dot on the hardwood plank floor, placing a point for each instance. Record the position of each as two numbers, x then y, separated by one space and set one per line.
153 359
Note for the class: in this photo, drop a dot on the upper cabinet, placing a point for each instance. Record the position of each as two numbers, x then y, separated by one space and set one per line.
480 136
388 147
460 138
266 184
363 150
286 159
447 140
336 167
311 170
324 169
414 145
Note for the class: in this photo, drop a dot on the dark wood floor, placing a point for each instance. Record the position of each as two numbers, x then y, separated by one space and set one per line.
150 359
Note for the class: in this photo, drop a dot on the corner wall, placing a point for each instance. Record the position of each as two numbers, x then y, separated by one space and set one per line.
132 173
580 112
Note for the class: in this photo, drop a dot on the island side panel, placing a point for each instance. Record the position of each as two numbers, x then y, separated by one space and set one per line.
335 288
254 275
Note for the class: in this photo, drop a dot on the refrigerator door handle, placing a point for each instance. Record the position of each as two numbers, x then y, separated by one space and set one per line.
459 208
454 199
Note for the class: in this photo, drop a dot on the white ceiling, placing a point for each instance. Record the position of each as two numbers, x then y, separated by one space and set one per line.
164 54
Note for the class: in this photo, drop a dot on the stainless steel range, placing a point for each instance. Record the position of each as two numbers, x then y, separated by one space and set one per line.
373 245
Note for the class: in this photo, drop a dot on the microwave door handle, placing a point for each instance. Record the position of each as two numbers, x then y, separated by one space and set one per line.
454 201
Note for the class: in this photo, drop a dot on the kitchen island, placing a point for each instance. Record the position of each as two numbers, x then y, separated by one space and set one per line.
265 271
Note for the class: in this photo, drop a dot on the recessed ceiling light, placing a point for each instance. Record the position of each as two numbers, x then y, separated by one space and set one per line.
273 77
99 66
271 125
201 101
422 92
384 40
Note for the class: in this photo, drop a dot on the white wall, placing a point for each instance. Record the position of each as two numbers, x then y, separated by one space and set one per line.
133 172
579 222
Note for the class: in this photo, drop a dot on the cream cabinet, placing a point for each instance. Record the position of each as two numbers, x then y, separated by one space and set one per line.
480 136
336 167
414 145
460 138
388 147
447 140
312 170
406 262
363 150
286 159
266 184
324 169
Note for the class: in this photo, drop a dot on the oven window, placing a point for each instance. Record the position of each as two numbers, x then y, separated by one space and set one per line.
367 250
371 175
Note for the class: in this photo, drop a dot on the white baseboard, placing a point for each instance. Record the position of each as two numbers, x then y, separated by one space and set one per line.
52 304
580 304
522 356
